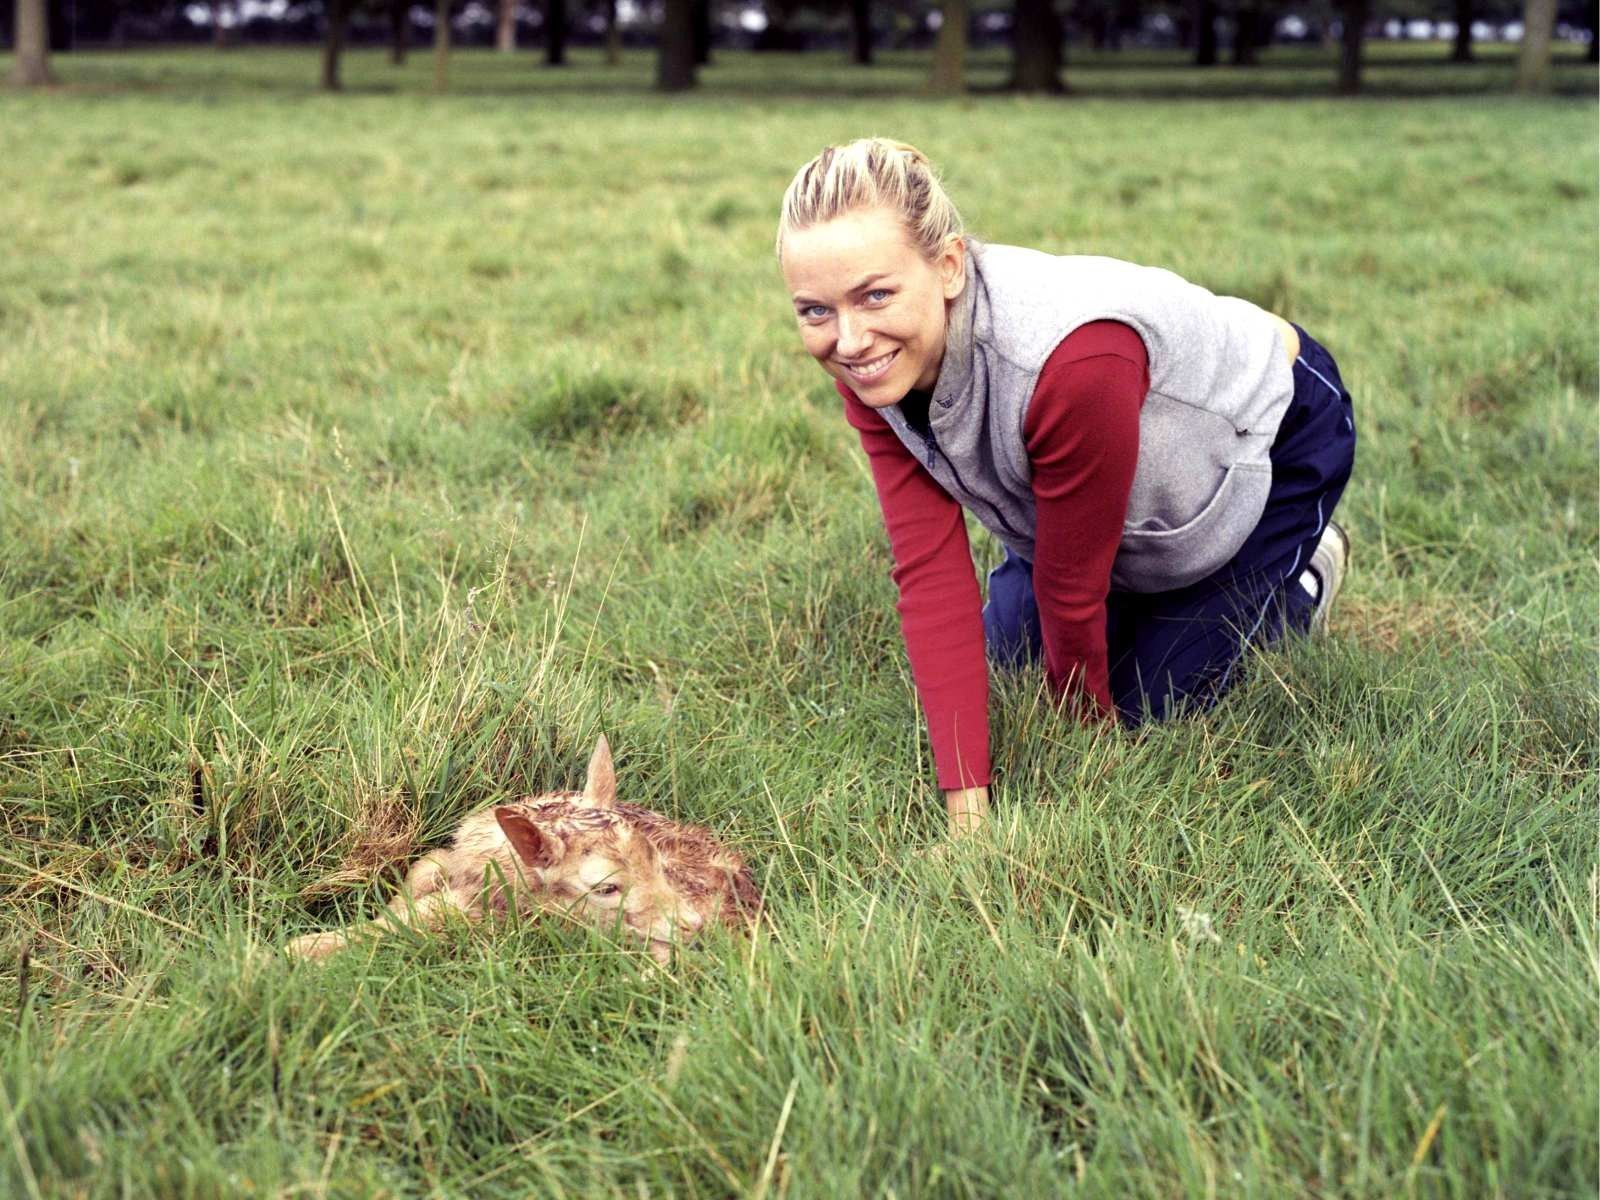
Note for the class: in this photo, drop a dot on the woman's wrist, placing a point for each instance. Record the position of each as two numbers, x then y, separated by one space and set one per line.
968 808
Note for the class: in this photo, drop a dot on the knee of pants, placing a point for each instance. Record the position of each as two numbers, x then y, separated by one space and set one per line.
1191 664
1163 695
1011 615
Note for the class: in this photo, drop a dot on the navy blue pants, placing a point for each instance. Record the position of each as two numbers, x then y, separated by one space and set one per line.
1182 648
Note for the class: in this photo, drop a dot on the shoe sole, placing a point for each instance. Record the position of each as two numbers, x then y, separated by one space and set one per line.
1338 555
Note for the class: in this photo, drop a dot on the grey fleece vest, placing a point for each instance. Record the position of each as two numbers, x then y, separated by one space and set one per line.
1219 385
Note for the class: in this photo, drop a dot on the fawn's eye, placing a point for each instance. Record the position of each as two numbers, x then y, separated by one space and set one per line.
605 889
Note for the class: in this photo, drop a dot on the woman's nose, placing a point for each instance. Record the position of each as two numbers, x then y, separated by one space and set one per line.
853 337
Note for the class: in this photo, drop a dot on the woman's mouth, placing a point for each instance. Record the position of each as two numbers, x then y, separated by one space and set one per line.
872 368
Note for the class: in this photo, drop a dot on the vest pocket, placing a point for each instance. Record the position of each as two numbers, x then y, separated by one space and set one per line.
1155 558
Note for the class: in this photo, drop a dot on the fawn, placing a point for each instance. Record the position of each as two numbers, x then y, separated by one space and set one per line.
582 853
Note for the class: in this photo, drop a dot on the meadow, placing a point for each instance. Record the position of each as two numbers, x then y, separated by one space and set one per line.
363 457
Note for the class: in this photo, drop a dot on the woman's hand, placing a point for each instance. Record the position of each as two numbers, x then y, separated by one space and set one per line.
968 809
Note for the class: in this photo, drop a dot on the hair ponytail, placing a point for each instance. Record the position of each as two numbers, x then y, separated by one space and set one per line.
872 173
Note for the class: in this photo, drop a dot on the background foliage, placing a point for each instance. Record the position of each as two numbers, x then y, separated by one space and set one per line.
365 457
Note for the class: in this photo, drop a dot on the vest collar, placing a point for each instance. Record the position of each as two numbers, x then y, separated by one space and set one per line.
955 369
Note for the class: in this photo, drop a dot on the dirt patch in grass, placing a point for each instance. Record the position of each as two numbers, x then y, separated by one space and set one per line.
1389 625
382 837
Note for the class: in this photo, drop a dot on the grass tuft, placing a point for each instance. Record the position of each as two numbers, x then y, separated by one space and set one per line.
350 484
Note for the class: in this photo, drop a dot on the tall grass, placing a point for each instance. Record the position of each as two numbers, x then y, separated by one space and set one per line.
364 457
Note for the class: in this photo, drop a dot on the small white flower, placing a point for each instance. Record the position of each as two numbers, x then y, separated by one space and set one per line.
1197 925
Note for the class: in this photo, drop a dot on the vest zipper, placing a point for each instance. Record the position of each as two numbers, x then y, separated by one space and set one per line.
932 448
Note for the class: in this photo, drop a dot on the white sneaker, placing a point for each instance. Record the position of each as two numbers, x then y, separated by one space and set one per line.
1328 563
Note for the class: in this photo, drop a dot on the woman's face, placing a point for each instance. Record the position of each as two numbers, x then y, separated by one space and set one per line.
871 309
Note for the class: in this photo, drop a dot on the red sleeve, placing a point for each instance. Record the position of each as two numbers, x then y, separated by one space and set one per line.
940 613
1082 434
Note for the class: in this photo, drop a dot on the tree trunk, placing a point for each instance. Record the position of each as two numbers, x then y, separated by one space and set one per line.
1205 33
702 33
505 27
399 31
555 33
333 47
1036 48
950 52
441 45
675 53
1183 22
219 31
1462 51
1594 31
32 29
1355 29
1539 27
613 35
1126 16
1249 35
861 32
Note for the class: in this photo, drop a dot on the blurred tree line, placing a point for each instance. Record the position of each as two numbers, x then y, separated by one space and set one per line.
684 32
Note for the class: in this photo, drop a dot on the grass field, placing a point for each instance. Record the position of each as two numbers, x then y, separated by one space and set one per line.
363 457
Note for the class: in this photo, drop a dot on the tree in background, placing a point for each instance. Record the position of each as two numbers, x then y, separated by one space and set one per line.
505 27
950 51
613 35
1461 50
1036 58
1106 21
1205 33
555 33
399 31
1252 31
333 43
675 68
776 34
1538 28
441 45
1354 13
861 32
32 30
702 32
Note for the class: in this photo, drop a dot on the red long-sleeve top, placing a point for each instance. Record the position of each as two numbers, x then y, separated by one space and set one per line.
1082 436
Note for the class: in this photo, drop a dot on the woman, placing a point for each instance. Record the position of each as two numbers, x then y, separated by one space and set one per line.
1159 462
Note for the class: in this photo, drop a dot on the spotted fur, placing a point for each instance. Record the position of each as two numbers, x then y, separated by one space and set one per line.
583 854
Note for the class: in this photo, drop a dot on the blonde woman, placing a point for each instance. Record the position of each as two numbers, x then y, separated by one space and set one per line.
1160 463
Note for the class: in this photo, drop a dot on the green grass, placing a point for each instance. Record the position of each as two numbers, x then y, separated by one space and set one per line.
288 378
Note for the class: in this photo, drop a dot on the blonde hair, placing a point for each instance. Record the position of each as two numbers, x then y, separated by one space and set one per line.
867 173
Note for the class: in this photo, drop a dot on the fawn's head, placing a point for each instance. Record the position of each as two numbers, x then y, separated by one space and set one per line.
591 859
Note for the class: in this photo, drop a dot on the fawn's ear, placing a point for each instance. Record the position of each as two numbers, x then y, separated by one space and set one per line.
600 788
532 844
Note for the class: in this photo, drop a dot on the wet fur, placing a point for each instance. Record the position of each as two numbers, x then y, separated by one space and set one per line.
583 854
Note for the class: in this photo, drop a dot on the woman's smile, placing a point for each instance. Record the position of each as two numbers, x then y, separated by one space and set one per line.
867 371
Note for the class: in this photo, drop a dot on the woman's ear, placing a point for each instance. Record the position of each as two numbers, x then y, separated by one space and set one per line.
953 266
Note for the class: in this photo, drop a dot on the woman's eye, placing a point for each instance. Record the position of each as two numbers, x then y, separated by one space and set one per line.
813 312
878 295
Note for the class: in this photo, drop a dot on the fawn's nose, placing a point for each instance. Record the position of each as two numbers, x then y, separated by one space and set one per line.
690 921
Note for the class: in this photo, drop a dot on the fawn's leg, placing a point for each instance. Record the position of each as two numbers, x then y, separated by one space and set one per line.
421 903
